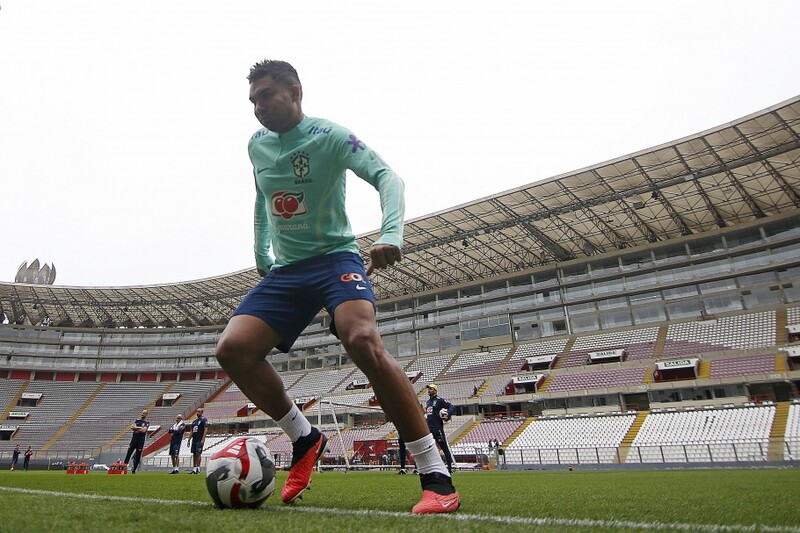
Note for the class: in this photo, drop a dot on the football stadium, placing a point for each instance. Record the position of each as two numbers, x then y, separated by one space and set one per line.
621 342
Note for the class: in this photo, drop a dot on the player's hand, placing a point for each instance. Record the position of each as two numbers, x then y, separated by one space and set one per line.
383 255
261 272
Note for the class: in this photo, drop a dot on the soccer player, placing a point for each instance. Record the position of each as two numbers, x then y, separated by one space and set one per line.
198 439
437 412
14 457
299 166
27 460
139 429
175 440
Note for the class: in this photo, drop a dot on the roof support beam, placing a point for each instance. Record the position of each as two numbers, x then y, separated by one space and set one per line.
782 183
673 214
749 200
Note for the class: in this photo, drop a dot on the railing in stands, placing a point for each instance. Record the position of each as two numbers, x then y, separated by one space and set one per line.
707 452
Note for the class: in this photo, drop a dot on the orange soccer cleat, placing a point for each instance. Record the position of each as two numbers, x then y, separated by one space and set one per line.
305 453
438 495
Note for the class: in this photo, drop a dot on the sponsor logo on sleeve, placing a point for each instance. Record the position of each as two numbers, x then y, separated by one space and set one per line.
356 144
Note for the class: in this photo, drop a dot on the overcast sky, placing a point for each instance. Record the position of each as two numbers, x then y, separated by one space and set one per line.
124 125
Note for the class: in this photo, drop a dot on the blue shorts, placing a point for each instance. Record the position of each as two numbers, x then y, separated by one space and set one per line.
290 296
175 448
196 447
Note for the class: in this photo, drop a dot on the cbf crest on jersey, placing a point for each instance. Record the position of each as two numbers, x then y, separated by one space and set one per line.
300 164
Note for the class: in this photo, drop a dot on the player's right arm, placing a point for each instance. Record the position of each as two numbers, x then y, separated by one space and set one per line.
263 235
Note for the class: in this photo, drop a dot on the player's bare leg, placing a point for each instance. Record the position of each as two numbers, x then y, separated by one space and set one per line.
241 352
355 325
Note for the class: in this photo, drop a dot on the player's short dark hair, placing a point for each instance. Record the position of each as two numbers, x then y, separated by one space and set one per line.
280 71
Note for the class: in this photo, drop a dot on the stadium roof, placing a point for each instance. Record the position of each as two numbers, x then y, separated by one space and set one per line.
738 172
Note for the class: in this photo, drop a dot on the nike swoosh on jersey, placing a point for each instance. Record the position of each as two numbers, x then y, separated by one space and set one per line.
360 288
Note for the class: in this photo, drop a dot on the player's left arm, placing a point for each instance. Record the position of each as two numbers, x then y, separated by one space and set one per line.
369 166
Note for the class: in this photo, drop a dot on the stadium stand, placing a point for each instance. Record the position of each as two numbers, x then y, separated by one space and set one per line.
792 432
430 366
742 366
704 435
573 439
115 405
737 332
635 256
476 440
319 382
637 343
58 404
615 377
475 364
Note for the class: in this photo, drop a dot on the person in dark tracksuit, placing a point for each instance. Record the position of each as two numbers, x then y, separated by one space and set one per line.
437 412
138 436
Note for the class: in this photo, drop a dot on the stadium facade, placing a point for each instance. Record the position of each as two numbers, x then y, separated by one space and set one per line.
665 278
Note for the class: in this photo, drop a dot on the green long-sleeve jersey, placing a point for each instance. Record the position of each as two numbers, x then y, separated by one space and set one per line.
300 192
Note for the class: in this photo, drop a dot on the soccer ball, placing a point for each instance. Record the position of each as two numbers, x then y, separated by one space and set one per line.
444 414
241 475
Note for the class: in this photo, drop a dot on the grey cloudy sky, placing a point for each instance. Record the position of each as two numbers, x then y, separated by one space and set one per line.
124 125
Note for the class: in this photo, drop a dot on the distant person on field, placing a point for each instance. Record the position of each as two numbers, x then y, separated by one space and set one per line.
403 451
139 429
14 457
437 412
403 456
27 460
175 440
198 439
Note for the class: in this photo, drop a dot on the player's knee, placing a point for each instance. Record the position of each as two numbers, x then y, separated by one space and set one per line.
230 352
368 353
361 341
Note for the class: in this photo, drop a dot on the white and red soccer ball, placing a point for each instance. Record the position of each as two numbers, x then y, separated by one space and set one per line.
241 475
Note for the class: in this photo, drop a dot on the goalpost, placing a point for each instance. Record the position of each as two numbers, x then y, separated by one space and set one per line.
332 407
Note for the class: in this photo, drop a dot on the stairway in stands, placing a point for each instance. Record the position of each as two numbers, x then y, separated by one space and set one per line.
75 416
661 341
781 320
545 384
464 433
627 440
519 430
15 400
482 388
780 363
565 352
704 370
777 432
511 438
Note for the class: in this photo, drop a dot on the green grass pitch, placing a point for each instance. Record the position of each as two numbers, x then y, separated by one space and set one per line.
496 501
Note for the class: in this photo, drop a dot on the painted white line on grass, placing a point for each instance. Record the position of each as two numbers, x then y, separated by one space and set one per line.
459 517
102 497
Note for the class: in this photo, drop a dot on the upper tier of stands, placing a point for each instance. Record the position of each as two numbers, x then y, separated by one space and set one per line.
736 332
